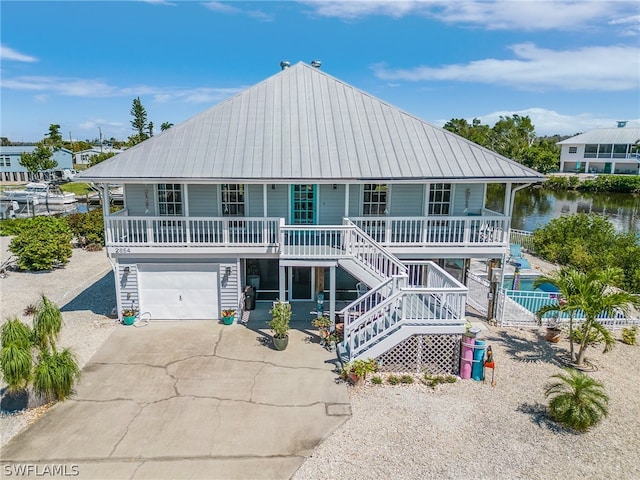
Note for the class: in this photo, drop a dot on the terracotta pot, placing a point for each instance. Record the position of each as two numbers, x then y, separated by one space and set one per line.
553 335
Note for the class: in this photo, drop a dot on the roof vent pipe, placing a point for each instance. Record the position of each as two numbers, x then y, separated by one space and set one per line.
316 63
284 64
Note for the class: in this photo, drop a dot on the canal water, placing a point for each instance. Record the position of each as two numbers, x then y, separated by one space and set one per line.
534 207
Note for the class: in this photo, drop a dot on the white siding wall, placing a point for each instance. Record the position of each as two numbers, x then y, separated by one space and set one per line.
136 201
331 205
476 198
203 200
229 284
406 200
278 201
254 201
355 200
128 286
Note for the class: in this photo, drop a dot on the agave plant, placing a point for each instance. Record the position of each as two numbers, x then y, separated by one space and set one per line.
577 401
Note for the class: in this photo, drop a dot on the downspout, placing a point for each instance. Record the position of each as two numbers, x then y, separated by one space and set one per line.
114 266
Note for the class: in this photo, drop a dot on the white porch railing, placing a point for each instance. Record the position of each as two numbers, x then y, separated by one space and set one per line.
423 231
129 231
342 241
408 307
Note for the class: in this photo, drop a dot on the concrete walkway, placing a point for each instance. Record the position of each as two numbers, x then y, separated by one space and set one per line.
193 399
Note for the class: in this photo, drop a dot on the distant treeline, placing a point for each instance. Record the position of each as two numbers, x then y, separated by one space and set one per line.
600 183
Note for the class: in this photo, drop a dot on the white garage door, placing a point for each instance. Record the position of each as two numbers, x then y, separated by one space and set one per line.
179 292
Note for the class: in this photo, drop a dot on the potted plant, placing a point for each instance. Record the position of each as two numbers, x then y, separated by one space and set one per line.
279 324
129 315
356 371
323 324
553 331
228 316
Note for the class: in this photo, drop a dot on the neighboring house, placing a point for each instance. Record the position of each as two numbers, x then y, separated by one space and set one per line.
11 171
603 150
300 185
83 157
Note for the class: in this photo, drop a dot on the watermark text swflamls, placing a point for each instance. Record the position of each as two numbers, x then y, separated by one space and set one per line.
40 470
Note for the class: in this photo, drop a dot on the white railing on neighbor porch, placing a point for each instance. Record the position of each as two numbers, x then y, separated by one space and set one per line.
422 231
522 238
124 230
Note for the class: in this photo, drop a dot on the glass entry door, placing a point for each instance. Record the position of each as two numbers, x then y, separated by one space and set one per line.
301 283
303 204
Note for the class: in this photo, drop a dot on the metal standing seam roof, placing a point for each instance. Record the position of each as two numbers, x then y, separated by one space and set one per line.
623 135
305 125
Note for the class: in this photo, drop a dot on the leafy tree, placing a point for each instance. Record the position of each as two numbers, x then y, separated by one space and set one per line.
165 126
577 400
54 138
139 123
43 243
512 136
101 157
476 132
589 241
39 160
5 142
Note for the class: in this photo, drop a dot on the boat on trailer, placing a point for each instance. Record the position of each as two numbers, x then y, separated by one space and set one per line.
47 193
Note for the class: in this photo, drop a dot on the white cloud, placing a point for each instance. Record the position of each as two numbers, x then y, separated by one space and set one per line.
493 15
160 2
226 8
550 122
538 69
94 88
7 53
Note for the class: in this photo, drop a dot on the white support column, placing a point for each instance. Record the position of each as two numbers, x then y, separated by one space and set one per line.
332 293
282 286
507 200
346 200
264 200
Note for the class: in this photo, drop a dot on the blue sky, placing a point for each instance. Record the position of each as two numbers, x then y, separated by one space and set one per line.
570 66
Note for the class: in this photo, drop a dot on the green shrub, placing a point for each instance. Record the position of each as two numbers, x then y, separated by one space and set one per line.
577 401
435 380
42 244
376 380
630 334
88 227
12 226
406 378
595 336
393 380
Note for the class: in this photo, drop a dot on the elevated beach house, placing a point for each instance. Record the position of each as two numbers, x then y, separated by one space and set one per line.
304 186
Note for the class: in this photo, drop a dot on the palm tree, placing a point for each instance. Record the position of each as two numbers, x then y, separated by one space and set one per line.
15 355
565 281
591 294
578 401
47 323
165 126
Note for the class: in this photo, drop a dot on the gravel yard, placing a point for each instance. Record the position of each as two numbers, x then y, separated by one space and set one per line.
85 292
473 430
454 431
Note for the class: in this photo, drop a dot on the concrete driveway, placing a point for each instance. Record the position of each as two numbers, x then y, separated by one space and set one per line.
192 399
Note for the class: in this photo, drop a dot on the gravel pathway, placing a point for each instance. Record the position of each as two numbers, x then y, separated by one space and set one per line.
84 289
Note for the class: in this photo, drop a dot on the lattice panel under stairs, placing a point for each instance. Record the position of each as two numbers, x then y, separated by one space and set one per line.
435 354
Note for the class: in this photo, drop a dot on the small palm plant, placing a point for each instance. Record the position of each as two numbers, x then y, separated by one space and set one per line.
577 401
27 355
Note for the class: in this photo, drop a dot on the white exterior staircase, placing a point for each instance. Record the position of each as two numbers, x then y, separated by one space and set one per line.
404 300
